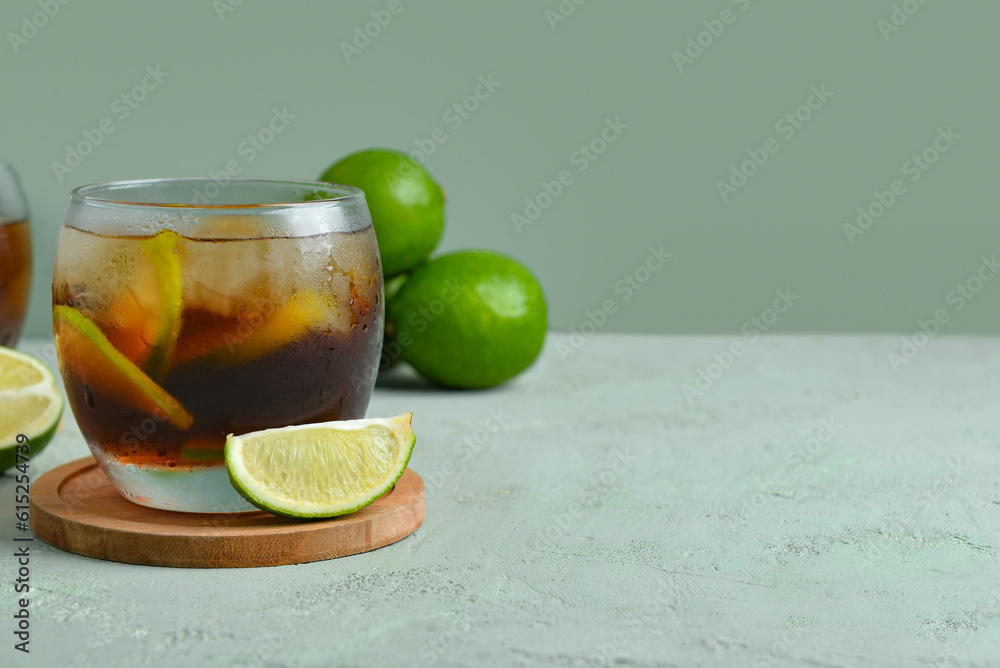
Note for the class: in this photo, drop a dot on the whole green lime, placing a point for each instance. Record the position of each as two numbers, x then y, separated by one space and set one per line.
469 319
406 204
394 285
390 351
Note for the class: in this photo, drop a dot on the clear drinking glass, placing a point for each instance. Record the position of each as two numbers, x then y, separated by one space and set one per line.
15 257
185 311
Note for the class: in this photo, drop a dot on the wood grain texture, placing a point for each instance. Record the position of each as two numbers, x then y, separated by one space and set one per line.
76 508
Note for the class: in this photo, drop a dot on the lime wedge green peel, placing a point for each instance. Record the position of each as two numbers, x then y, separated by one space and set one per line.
162 252
30 404
320 470
88 353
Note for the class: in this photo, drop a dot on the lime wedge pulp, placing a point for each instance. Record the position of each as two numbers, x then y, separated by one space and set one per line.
30 404
320 470
86 352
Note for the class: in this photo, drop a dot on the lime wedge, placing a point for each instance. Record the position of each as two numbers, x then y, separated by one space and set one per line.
290 322
262 333
144 320
320 470
87 354
30 404
162 253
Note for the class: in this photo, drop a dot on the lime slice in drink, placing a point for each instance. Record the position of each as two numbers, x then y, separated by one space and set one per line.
288 323
86 352
30 405
162 253
145 319
227 342
320 470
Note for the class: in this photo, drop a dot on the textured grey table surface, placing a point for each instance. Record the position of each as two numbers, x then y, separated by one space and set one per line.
808 505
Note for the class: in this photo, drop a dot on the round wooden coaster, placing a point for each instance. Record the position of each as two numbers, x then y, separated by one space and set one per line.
75 508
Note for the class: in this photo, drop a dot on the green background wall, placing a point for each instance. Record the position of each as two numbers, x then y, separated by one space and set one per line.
687 123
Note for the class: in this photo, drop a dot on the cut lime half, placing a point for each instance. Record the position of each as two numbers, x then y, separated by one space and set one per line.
320 470
30 405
